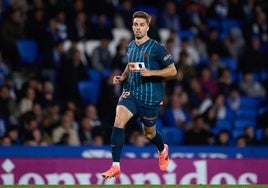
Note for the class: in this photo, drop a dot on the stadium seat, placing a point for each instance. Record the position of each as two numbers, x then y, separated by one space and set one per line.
262 110
213 23
28 51
229 24
224 124
148 9
246 114
236 133
241 124
259 134
185 34
159 124
229 62
89 91
94 75
249 102
173 135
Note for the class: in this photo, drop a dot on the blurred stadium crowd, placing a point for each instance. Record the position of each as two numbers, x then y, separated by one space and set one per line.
58 58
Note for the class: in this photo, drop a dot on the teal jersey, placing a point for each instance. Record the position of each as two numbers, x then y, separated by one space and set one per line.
153 56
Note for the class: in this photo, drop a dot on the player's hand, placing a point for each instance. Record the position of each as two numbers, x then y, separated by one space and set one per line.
117 80
145 72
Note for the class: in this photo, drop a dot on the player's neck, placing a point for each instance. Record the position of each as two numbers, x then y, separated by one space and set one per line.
142 40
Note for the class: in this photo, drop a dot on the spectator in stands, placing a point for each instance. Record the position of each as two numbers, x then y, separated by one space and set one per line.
56 58
197 134
223 112
169 18
79 29
210 116
250 87
153 32
51 119
47 42
101 28
85 134
197 93
241 141
35 25
235 42
48 94
225 81
193 57
120 58
208 82
253 58
264 140
62 26
27 101
137 139
28 125
5 141
259 28
64 127
37 111
195 17
218 9
101 57
188 69
174 114
235 10
214 44
109 94
91 112
74 70
201 47
223 138
215 65
77 7
123 18
13 134
97 140
173 48
4 69
72 110
249 133
11 31
8 105
233 99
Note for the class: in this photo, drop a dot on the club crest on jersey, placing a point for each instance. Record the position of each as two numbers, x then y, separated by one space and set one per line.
146 55
166 57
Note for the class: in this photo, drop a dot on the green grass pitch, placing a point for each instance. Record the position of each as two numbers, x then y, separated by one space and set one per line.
134 186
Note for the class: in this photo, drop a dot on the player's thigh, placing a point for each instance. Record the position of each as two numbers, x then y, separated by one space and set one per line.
123 115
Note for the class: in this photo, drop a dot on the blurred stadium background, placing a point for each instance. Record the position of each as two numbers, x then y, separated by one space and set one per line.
57 59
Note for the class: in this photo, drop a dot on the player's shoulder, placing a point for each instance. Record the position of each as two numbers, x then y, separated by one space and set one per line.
157 45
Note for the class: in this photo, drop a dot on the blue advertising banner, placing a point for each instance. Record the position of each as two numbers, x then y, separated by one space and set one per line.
186 152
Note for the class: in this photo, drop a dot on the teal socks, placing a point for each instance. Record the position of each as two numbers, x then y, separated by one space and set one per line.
117 143
158 141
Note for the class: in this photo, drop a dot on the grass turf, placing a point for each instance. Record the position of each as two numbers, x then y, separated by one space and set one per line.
134 186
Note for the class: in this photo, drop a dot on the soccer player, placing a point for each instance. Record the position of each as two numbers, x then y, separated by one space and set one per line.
143 91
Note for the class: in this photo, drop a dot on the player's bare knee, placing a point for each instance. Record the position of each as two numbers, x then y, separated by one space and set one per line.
119 122
149 136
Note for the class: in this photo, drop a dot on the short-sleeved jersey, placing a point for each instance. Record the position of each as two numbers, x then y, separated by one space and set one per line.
154 56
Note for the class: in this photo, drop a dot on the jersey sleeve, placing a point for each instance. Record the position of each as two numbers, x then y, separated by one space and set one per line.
164 56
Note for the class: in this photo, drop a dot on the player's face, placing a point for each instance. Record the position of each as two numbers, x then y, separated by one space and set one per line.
140 28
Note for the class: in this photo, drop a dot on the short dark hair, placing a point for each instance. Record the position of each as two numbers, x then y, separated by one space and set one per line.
142 14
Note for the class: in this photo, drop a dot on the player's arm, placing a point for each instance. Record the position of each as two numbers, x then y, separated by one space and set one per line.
124 76
168 71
